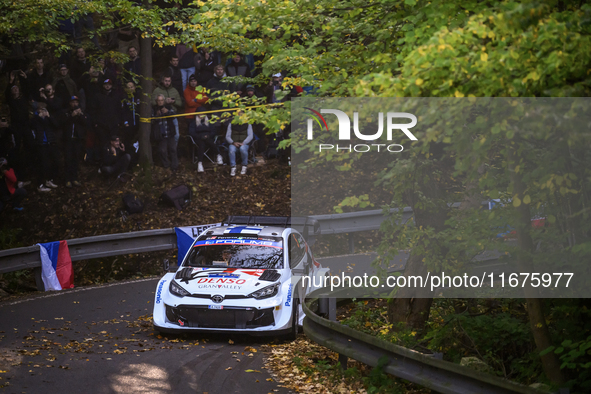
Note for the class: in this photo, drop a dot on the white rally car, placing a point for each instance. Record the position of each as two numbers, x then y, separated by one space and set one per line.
241 277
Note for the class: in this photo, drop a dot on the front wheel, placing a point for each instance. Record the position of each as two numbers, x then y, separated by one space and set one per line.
294 320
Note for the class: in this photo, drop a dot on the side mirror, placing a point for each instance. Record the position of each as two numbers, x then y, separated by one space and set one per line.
167 267
298 271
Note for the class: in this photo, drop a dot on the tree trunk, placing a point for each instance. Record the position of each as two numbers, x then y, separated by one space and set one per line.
537 320
413 313
145 151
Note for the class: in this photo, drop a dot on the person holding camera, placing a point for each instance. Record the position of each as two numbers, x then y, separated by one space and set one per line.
75 124
47 95
274 85
171 95
166 132
11 191
115 160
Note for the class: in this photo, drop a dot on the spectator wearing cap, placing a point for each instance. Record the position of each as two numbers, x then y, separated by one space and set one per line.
272 87
250 92
204 136
106 114
11 191
236 68
194 98
75 124
64 85
166 133
171 95
44 127
115 160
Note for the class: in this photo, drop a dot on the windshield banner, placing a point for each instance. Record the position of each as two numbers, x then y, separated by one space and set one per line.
185 236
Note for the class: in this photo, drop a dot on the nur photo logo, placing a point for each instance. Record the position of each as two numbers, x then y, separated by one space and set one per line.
344 131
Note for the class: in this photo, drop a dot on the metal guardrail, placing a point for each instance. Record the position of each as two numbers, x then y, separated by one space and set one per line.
165 239
356 221
93 247
439 375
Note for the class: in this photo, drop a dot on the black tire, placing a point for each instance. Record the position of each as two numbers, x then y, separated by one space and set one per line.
292 336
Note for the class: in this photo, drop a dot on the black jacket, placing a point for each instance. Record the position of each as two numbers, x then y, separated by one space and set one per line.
176 78
109 158
133 66
44 130
74 126
107 112
216 88
235 69
204 68
37 82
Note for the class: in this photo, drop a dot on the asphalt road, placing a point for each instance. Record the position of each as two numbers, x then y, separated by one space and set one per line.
100 340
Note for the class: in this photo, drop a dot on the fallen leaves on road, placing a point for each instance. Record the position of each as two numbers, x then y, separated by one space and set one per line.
306 367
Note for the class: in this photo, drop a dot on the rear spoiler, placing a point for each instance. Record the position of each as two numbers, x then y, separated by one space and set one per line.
307 226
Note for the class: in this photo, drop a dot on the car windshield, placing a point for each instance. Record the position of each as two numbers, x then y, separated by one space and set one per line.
237 253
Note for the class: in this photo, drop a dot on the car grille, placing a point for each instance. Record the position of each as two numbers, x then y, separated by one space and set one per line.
226 297
229 317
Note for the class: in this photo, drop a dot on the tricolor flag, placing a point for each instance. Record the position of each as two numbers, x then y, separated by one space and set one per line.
56 266
185 237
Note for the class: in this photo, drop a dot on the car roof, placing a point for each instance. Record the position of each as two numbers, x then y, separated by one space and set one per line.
238 230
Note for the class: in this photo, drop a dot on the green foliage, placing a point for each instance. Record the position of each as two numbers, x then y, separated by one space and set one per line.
499 334
8 238
354 202
576 359
379 382
502 339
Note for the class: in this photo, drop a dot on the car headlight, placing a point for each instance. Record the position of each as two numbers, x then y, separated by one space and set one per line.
265 292
177 290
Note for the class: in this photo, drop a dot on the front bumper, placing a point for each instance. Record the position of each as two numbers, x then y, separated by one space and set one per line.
200 316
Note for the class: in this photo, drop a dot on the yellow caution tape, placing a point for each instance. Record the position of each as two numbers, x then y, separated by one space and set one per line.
149 120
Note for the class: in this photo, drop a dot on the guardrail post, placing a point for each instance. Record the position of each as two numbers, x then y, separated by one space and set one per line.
323 306
332 315
38 279
351 243
332 309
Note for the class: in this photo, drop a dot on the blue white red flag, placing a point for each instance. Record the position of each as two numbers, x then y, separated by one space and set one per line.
56 266
186 235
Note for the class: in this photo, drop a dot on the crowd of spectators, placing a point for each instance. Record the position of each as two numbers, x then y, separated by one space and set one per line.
87 110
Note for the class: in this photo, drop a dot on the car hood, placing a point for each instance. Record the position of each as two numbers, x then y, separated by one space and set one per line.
222 281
